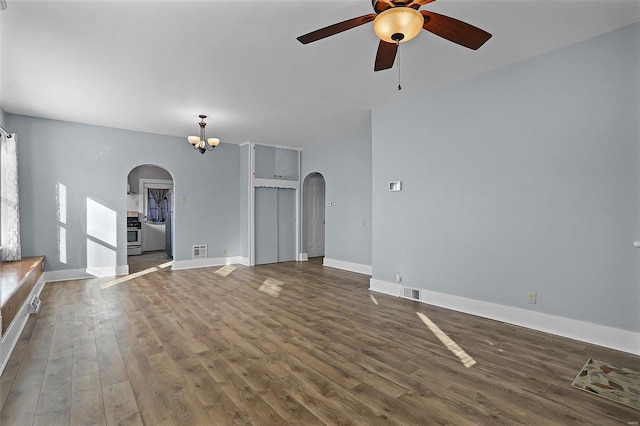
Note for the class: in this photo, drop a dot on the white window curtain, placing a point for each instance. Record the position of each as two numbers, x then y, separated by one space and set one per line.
9 212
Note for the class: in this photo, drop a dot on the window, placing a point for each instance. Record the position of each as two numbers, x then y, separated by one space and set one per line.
157 205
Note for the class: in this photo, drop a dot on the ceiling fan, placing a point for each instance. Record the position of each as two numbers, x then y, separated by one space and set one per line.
397 21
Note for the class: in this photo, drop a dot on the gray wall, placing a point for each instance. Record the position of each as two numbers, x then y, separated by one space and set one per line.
93 163
523 179
345 165
146 171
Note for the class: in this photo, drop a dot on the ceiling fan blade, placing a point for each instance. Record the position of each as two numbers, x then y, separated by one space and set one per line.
336 28
453 30
386 55
381 5
417 3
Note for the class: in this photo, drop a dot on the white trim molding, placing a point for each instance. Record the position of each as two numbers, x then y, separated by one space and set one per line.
303 257
108 271
84 274
614 338
206 263
244 261
275 183
347 266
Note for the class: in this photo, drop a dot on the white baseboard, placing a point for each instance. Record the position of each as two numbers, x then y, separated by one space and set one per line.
109 271
12 335
303 257
83 274
66 275
206 263
615 338
347 266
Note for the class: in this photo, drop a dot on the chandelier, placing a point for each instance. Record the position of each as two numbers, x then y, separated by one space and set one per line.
201 143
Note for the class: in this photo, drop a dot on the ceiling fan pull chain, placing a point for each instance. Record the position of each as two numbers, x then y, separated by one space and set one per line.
398 47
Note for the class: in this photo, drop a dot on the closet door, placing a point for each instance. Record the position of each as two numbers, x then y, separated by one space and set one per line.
266 225
286 225
275 225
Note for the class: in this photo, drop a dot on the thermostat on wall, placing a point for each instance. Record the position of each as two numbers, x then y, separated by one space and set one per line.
395 186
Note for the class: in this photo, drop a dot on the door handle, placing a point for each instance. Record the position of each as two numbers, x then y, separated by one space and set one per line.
636 244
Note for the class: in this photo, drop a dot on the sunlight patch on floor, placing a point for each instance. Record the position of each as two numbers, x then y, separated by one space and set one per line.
133 276
271 287
373 299
466 360
226 270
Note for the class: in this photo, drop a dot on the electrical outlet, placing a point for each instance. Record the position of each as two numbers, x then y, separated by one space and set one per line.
224 252
532 297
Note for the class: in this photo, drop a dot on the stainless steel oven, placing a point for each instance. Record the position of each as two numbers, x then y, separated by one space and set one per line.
134 234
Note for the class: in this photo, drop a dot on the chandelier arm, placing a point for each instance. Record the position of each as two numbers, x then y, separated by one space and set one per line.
203 144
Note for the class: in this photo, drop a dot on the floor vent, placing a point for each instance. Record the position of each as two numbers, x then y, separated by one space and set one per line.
410 293
34 305
199 252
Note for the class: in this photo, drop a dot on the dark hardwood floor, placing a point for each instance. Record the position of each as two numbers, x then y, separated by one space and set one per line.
146 260
291 343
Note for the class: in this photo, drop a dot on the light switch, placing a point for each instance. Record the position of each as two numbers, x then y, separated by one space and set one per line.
395 186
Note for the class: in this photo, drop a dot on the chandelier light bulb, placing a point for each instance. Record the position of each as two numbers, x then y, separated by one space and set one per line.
201 143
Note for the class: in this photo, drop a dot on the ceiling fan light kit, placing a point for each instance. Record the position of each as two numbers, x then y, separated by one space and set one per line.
396 21
398 25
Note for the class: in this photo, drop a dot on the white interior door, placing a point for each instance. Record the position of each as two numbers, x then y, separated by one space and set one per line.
315 216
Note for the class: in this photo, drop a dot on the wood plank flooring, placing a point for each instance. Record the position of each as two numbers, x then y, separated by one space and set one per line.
147 260
291 343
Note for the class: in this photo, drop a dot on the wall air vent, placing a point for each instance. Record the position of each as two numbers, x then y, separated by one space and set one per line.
200 252
34 305
410 293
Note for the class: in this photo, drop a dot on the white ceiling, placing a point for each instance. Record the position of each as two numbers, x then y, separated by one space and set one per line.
153 66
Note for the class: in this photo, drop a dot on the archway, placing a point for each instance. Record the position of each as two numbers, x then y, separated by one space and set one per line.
314 215
150 231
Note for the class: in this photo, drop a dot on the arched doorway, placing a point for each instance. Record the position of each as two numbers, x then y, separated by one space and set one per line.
314 214
150 211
